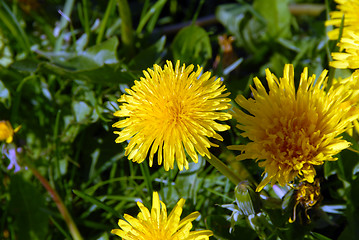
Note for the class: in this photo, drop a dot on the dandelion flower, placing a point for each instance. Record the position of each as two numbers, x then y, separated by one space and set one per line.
349 58
156 225
172 112
7 132
353 100
291 131
349 9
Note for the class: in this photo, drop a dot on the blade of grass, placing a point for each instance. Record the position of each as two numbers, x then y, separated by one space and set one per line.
66 235
146 173
109 9
9 19
145 8
195 15
112 175
64 22
17 98
152 22
86 17
98 203
56 141
156 7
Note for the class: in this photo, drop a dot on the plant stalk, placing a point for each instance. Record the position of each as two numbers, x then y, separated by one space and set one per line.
221 167
60 205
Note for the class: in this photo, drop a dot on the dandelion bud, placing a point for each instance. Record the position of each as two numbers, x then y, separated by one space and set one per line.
247 199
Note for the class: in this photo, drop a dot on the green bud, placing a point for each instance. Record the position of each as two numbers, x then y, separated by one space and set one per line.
247 198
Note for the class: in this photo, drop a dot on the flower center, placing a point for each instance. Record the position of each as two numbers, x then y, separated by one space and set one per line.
292 140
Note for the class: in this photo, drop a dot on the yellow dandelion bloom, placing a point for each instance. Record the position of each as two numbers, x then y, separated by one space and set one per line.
349 9
291 131
306 195
156 225
172 112
349 58
353 100
7 132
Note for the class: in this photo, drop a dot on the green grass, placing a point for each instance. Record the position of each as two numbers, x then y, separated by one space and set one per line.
62 86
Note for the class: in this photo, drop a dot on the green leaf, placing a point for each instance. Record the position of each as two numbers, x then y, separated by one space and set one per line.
27 207
82 111
107 74
277 16
334 167
244 23
231 16
192 46
25 65
94 57
97 64
148 56
354 144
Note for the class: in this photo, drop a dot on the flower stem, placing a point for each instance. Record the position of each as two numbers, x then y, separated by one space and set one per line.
60 205
220 166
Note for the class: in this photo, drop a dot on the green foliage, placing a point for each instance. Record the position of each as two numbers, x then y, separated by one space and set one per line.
192 45
61 76
27 206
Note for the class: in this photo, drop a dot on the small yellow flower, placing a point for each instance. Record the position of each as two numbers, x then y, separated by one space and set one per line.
349 58
155 225
306 195
172 112
291 131
7 132
349 9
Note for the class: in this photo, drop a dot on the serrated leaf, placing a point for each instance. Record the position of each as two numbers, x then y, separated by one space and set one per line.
93 57
107 74
25 65
97 64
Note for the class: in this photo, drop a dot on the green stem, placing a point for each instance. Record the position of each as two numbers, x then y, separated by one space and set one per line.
104 21
126 25
60 205
220 166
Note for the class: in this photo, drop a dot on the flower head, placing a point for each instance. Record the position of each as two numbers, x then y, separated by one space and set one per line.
349 58
156 225
7 132
172 112
291 131
349 9
353 100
